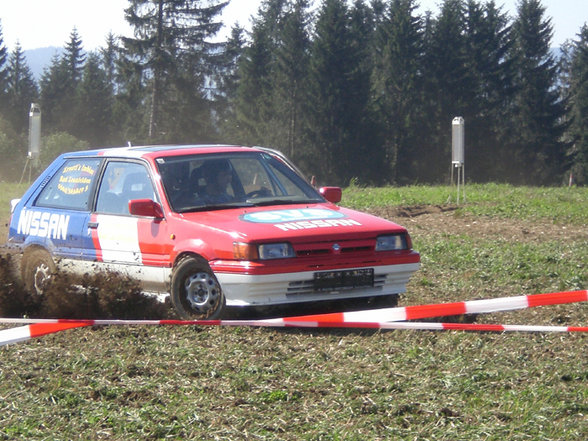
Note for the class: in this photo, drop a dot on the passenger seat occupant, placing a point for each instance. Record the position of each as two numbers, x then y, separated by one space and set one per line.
218 175
138 186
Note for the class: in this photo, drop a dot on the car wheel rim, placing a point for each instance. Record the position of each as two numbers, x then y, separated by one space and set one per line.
202 292
42 275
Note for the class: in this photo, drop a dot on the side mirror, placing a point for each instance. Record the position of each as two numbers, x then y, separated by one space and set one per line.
331 194
145 207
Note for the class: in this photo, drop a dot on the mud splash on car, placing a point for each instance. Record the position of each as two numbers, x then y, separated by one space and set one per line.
100 295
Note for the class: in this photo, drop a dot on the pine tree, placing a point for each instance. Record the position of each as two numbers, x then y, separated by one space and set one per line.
110 56
74 58
447 83
397 86
3 74
289 81
336 106
254 104
22 90
579 105
539 110
364 147
94 104
228 85
56 96
130 108
59 84
490 91
171 35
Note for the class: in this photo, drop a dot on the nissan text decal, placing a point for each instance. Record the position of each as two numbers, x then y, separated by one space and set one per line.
43 224
300 219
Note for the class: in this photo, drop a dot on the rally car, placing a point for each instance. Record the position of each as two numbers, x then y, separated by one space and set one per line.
212 226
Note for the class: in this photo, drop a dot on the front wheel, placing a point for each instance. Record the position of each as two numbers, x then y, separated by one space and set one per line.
37 268
195 291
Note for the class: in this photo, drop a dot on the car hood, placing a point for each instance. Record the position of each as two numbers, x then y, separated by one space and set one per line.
291 222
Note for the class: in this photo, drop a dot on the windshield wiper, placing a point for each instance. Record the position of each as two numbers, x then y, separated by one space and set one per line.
263 202
211 207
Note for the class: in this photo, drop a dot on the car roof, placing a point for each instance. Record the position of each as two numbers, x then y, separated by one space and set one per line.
153 151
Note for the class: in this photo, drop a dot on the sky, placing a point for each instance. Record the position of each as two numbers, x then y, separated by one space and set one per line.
43 23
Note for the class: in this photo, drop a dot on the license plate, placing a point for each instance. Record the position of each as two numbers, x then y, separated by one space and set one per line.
343 279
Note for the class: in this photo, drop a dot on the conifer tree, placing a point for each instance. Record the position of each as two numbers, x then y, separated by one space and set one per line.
56 95
59 84
171 35
74 58
539 152
130 108
22 90
397 86
490 89
94 104
3 73
579 105
289 84
446 84
254 104
228 86
110 56
336 109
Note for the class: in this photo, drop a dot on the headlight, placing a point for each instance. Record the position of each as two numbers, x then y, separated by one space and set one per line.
391 242
275 251
266 251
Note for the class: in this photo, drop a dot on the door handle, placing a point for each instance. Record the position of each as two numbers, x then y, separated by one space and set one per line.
92 224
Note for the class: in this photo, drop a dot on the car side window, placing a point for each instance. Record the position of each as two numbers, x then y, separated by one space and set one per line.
121 183
71 186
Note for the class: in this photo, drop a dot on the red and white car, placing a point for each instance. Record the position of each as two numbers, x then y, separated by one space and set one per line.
210 225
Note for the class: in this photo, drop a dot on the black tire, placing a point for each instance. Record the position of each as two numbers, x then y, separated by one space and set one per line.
37 269
195 291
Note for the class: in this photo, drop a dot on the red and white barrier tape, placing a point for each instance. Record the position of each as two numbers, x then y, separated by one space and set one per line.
374 319
448 309
15 335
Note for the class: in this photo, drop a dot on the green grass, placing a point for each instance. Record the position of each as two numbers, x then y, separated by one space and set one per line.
9 191
291 384
557 204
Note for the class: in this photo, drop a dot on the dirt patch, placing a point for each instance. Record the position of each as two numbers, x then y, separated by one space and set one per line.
435 219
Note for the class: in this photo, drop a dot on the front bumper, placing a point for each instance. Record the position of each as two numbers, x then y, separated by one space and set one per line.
273 289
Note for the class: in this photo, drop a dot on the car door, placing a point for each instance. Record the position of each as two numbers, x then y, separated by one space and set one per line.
133 245
59 213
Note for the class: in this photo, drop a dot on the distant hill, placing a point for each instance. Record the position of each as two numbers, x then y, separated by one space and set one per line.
39 59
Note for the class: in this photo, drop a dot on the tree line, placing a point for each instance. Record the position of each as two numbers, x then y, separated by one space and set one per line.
352 91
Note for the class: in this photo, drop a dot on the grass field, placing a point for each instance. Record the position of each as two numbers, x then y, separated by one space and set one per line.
289 384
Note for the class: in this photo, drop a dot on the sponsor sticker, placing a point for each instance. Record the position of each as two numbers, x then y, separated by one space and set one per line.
76 179
43 224
300 219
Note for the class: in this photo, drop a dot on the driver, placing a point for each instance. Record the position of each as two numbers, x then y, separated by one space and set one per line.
217 175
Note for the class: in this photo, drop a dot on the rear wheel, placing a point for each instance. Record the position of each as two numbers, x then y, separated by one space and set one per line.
37 268
195 291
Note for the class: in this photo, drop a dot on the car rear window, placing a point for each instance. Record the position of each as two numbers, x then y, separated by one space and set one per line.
71 186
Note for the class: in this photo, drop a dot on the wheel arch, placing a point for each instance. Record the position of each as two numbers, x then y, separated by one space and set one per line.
187 255
32 248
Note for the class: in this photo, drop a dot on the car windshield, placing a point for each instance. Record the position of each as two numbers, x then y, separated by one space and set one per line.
207 182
